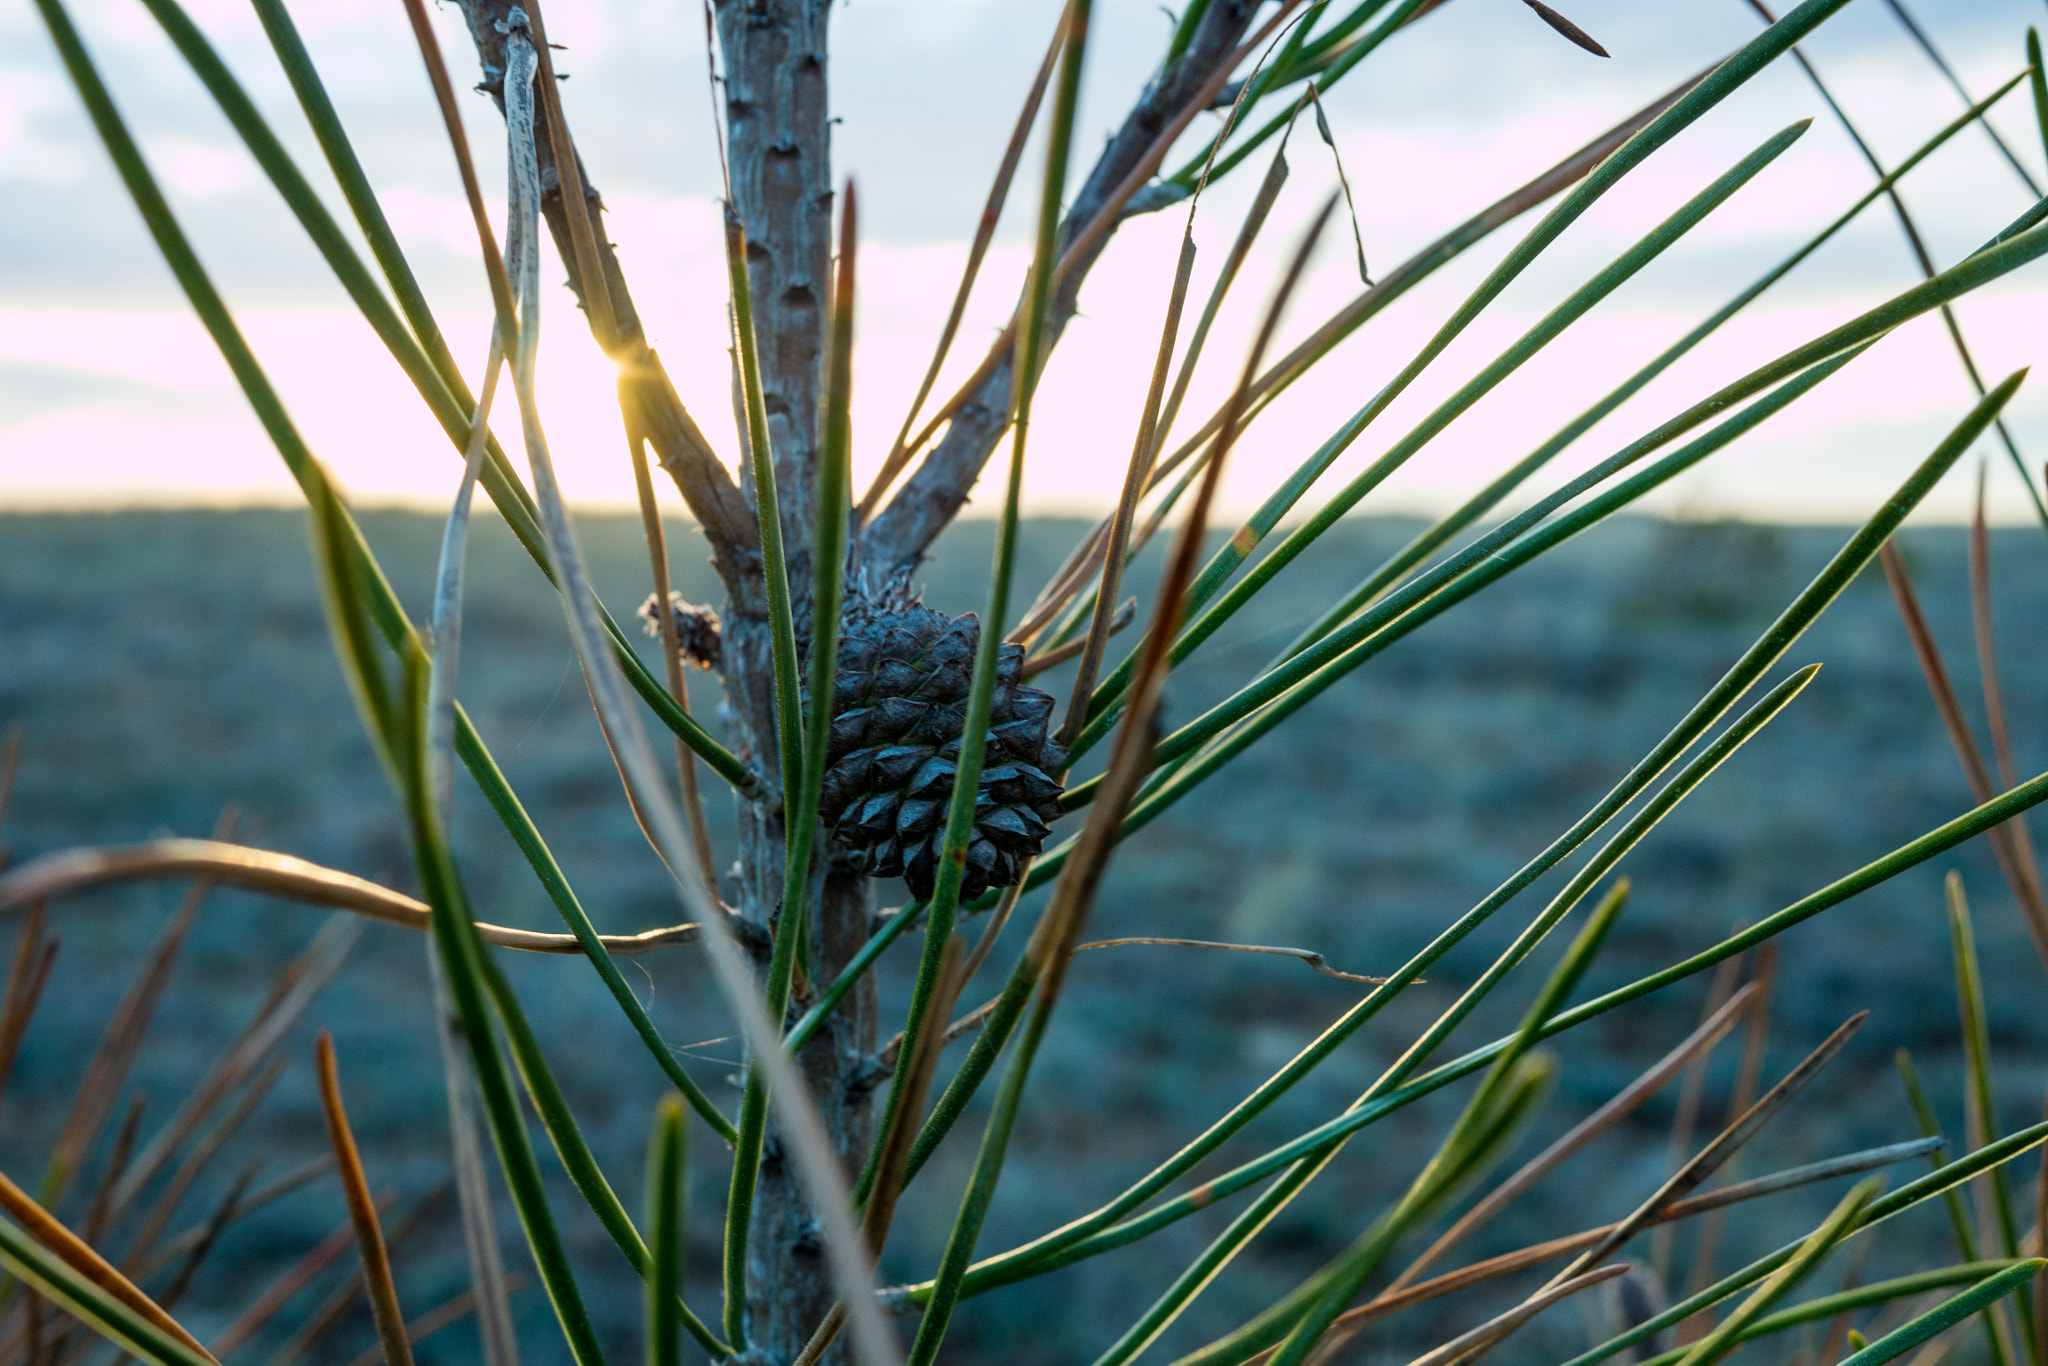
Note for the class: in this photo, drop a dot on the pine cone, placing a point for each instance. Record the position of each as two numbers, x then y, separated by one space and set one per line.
899 702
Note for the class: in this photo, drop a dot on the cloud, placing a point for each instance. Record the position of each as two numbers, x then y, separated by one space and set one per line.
119 396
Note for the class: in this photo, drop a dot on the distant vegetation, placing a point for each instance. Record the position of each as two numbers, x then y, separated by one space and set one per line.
165 664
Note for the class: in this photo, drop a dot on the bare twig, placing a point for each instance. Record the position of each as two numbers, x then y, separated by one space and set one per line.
2020 875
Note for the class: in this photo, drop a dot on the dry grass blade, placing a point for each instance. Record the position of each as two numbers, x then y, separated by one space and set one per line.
1314 960
1051 946
444 1315
1143 448
1490 1334
1392 1301
1088 554
284 876
1987 657
665 627
1696 1046
99 1089
451 117
1566 27
34 1309
2020 875
1006 905
297 986
1125 614
294 1279
209 1238
196 1162
10 772
1344 181
597 293
1726 1145
895 1155
297 1179
75 1253
900 450
881 1208
1686 1117
1506 209
27 974
472 1178
323 1320
97 1211
1747 1076
1083 243
362 1212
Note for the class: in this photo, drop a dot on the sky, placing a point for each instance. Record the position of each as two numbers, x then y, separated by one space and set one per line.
111 394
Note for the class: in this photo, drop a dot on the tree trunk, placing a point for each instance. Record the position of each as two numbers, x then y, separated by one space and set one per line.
778 121
777 118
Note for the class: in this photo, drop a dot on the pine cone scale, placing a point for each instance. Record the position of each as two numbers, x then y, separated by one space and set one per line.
899 698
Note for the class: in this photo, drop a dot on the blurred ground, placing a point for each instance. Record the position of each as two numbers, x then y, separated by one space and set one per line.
164 664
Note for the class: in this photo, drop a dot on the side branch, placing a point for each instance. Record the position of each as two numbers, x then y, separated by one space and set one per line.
938 488
706 486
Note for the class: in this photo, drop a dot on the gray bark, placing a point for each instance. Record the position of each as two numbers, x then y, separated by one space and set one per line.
713 498
778 134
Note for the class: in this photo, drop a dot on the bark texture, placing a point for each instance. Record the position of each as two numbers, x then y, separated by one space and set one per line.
778 136
774 60
713 498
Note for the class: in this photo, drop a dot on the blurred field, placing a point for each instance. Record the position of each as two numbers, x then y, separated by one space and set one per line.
165 664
